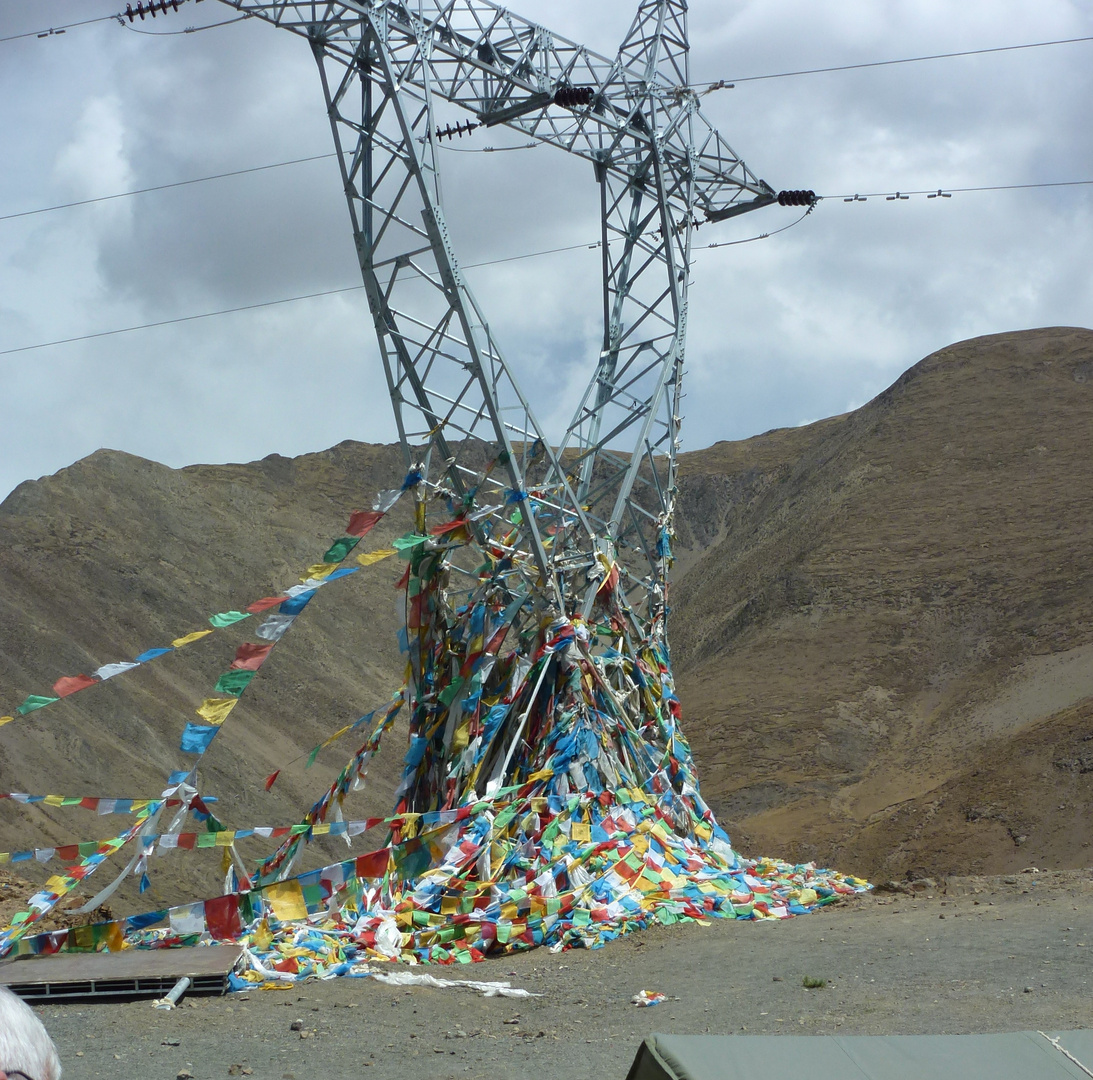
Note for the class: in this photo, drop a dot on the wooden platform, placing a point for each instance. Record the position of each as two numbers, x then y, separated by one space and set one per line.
133 973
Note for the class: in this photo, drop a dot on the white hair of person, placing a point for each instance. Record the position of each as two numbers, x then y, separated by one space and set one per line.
25 1045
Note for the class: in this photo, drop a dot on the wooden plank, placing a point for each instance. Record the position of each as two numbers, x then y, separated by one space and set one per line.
130 973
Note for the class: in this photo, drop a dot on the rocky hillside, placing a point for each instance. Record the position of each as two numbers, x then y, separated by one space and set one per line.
882 626
885 635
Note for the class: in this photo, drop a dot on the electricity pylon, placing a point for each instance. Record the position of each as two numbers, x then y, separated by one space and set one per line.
602 495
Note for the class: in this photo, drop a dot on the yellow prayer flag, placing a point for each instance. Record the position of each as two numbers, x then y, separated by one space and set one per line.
370 557
186 639
336 736
462 737
581 832
320 570
287 900
6 720
224 838
54 800
215 710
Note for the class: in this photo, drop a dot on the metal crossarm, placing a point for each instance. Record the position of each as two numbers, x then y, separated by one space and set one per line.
604 490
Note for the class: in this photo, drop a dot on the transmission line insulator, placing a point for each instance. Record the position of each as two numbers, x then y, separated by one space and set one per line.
574 97
141 10
460 129
797 198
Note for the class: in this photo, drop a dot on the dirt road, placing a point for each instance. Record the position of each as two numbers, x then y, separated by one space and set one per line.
985 955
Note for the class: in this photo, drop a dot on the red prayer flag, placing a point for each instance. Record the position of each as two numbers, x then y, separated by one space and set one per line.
373 864
362 522
71 683
222 917
609 582
265 604
448 526
249 657
272 779
497 640
405 579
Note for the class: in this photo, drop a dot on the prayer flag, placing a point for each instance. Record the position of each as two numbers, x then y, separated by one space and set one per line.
250 657
222 916
373 864
196 738
108 671
226 618
187 639
188 919
35 701
215 710
264 604
71 683
274 628
363 522
370 557
233 682
287 900
340 548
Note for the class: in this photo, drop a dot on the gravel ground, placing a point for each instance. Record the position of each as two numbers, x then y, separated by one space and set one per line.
977 955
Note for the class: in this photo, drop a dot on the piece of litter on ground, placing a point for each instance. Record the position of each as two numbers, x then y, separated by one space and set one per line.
486 989
648 997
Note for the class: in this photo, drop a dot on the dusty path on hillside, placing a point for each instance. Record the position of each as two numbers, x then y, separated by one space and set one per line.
940 962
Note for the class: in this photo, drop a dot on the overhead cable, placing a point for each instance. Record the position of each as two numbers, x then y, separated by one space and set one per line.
51 31
890 196
945 193
322 157
351 288
164 187
728 84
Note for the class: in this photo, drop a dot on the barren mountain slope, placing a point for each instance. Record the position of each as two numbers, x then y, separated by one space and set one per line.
115 555
884 652
881 624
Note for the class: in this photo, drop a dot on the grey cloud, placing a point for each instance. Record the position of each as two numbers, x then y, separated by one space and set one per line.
801 325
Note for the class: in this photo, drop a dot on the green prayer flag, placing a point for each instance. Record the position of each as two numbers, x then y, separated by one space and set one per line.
407 543
312 756
451 691
233 682
226 618
35 701
340 548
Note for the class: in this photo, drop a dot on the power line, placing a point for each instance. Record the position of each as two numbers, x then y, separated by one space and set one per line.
179 319
933 193
53 30
264 304
324 157
890 196
274 303
164 187
185 30
728 84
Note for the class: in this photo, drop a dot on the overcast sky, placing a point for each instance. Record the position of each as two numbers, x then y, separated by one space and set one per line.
782 331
